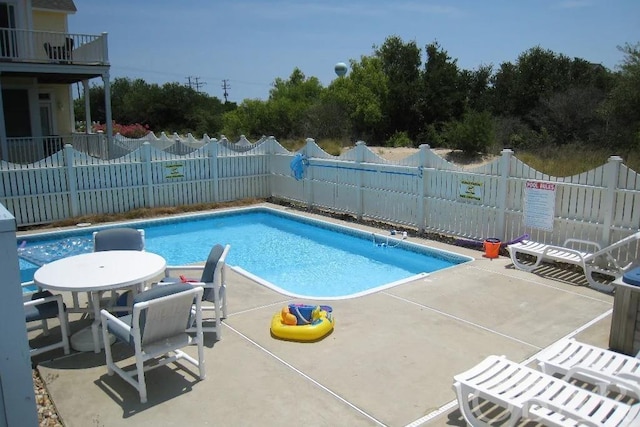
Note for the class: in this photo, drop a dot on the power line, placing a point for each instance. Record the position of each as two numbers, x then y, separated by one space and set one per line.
114 68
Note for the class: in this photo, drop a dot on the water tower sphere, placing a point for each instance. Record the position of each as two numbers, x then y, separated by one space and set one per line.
341 69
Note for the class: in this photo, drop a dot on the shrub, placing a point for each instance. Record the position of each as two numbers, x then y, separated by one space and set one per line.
135 130
399 139
474 134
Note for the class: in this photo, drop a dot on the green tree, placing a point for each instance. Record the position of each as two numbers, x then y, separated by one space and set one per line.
622 111
477 85
362 95
288 102
248 119
400 63
443 94
172 107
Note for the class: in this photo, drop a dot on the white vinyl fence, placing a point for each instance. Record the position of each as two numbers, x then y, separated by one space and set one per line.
422 191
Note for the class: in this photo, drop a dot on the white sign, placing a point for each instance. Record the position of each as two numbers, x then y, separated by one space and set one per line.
539 205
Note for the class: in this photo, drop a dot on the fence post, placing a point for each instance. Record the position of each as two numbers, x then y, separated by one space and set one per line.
213 167
422 187
308 179
360 147
611 173
71 180
271 149
147 178
501 200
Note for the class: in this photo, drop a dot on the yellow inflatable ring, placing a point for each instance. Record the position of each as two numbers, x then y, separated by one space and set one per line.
318 324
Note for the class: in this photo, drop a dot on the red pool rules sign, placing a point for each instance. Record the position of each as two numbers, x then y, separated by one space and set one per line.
539 204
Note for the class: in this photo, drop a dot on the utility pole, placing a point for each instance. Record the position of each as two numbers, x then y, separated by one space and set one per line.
195 83
198 83
225 86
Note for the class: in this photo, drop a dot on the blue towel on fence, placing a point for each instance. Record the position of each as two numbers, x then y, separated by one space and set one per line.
297 166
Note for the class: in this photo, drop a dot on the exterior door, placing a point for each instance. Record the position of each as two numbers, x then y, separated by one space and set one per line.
46 118
52 142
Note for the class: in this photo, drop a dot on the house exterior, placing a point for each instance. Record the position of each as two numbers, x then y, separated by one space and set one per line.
40 64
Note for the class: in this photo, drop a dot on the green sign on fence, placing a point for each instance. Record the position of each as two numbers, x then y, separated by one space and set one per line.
175 170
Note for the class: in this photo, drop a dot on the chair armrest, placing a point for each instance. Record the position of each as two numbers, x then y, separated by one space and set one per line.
171 268
583 242
108 317
543 403
604 381
39 301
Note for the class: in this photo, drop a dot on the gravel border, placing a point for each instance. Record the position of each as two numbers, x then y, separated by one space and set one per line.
47 412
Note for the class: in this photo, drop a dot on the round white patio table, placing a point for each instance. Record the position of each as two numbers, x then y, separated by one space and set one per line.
95 273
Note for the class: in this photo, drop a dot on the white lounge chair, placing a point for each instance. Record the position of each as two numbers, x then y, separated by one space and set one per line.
599 261
156 330
603 368
527 393
213 280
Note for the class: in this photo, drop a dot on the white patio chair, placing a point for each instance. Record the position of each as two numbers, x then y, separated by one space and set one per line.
118 239
114 239
527 393
40 306
156 330
599 261
213 280
605 369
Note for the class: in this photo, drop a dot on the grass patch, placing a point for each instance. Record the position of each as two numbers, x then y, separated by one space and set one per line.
330 146
572 160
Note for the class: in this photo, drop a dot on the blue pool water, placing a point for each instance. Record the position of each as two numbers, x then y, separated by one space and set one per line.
295 255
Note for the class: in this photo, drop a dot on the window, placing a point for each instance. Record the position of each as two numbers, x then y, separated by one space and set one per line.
8 42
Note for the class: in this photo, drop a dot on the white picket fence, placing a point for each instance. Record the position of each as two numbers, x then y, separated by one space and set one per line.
422 191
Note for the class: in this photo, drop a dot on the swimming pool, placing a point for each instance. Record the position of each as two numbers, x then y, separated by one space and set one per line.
293 254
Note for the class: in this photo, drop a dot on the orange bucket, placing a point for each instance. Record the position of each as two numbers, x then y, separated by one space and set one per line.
492 247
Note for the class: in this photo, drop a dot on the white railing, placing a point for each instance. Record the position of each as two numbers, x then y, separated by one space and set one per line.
35 152
423 191
53 47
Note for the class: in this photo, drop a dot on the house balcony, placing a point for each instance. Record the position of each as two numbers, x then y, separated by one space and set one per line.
47 54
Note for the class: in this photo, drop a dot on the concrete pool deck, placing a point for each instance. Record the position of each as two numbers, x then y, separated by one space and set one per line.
390 360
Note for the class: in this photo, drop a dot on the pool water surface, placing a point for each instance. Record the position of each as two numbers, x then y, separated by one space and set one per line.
293 254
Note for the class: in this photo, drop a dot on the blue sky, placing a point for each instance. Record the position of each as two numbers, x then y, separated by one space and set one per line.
251 43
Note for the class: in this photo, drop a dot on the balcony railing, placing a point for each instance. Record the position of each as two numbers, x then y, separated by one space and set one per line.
50 47
31 150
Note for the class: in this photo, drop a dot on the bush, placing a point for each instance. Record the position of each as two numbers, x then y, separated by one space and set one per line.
399 139
134 131
474 134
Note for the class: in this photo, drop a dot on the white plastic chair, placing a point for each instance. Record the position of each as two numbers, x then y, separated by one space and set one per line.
527 393
598 261
213 280
114 239
156 330
40 306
